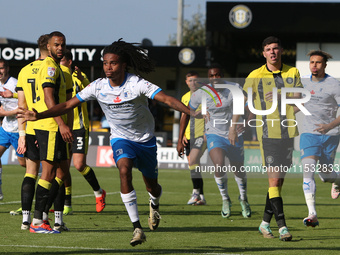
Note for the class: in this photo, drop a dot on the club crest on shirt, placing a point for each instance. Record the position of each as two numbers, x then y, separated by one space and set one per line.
50 71
289 80
127 94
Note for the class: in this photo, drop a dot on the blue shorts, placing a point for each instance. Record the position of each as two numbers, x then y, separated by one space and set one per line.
8 138
144 155
234 153
323 146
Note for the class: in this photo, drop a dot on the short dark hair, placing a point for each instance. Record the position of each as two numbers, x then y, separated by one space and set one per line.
326 56
56 33
217 66
270 40
191 73
42 42
68 54
5 62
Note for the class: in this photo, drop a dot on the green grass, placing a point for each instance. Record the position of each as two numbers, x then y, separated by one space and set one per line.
183 229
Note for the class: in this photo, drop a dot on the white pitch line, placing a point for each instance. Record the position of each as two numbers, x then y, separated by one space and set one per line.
100 249
88 195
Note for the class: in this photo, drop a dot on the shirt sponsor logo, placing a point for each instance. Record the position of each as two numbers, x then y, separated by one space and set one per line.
117 100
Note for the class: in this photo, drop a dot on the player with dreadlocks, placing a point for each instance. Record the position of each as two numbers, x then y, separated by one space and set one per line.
123 97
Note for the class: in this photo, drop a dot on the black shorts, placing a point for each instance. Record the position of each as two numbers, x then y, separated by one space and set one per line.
32 150
198 143
80 141
52 147
277 152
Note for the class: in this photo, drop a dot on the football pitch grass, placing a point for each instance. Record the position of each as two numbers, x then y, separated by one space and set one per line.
184 229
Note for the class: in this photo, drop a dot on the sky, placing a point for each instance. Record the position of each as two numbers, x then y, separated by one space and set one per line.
99 22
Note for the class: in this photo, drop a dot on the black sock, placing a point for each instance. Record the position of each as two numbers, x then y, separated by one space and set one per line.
201 186
268 210
68 200
136 225
27 193
41 197
277 205
59 201
197 180
52 195
154 206
92 180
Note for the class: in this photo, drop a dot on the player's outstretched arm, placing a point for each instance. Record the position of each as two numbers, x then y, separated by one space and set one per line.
55 111
172 102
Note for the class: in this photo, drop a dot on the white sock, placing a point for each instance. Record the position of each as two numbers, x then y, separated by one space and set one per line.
45 216
26 216
130 201
242 186
202 197
222 184
155 200
265 223
98 193
58 217
195 191
37 222
310 201
0 175
309 187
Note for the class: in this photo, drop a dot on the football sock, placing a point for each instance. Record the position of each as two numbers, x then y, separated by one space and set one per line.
58 217
41 197
68 196
56 184
201 186
0 175
196 191
98 193
136 225
242 186
155 200
27 191
309 187
222 184
130 202
59 201
268 210
277 205
90 177
26 216
196 178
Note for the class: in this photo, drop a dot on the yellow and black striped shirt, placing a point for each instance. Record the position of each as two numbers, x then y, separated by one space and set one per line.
27 84
262 81
195 126
50 75
81 116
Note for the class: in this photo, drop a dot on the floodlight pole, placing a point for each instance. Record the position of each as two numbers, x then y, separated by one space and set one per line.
180 22
179 41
